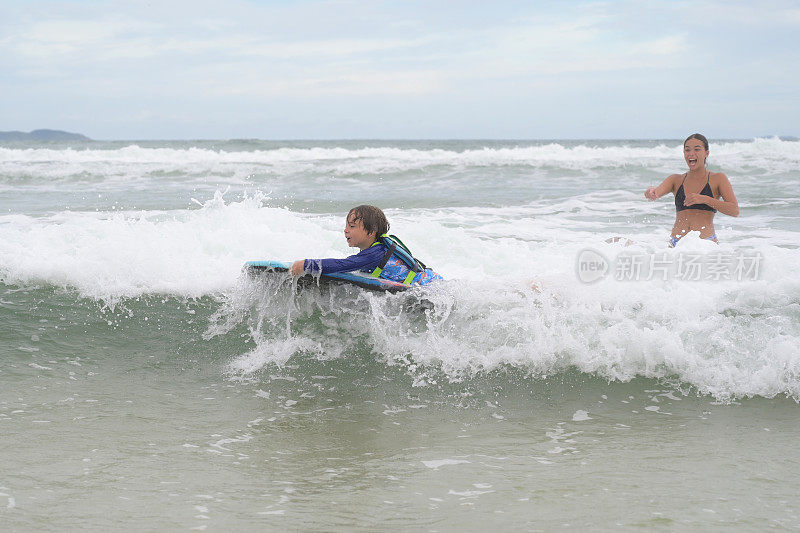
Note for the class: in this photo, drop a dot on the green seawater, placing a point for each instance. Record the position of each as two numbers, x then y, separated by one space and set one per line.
147 385
127 419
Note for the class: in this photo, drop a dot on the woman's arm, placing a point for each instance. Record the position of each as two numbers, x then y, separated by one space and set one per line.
727 205
654 193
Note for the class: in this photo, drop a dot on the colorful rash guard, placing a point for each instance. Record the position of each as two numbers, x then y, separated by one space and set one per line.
366 260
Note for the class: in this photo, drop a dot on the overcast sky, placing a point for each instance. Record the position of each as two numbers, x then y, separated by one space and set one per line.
199 69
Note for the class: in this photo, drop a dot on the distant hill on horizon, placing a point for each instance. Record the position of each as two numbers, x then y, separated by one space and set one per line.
42 135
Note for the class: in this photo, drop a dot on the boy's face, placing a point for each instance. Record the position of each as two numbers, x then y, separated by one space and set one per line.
356 235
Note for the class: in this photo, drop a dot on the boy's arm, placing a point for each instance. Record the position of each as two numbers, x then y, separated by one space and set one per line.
365 259
298 267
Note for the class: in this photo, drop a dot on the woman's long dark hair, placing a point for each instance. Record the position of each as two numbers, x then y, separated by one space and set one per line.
700 137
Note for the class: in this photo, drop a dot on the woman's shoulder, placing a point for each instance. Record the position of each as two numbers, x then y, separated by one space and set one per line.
675 181
717 178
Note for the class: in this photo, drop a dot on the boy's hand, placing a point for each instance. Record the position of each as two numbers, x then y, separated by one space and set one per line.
298 268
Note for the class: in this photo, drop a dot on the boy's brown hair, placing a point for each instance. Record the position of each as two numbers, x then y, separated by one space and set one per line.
371 217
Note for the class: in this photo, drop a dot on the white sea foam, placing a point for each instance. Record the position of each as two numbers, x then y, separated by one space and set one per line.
438 463
138 163
726 337
513 296
188 252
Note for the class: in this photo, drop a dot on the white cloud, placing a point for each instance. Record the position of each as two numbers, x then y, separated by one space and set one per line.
355 83
420 58
58 37
793 15
666 46
111 39
333 47
549 48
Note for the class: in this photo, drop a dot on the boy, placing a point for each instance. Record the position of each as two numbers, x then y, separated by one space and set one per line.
381 255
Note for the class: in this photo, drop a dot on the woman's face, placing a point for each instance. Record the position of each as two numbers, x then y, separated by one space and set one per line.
695 153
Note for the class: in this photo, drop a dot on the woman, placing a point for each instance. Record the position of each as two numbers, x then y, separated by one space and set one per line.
698 193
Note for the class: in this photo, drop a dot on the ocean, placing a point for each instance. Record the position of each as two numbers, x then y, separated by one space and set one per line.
572 373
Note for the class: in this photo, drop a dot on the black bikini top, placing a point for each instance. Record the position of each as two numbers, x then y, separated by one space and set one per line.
680 197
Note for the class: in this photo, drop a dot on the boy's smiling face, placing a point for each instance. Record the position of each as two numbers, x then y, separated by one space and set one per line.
356 235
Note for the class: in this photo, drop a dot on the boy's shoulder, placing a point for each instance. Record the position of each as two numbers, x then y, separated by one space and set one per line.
378 247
